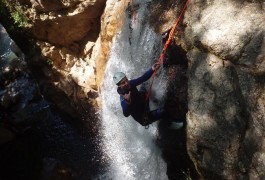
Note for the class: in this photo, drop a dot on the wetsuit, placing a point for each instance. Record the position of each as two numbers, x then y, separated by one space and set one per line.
138 108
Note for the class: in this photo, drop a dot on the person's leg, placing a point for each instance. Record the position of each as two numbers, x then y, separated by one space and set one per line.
160 113
157 114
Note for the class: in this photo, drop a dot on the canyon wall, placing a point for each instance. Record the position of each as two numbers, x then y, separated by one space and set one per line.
225 44
74 38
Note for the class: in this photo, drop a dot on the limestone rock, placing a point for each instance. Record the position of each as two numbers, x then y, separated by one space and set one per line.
66 32
83 74
225 43
66 22
75 37
111 23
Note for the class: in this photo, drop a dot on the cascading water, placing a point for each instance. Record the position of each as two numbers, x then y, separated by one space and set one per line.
5 51
131 149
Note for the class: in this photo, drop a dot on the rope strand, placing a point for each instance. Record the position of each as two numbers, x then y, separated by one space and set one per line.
133 14
161 57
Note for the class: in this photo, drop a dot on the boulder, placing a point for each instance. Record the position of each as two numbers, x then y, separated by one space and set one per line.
225 43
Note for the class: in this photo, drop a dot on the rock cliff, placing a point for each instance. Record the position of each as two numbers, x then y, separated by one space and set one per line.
74 38
224 43
225 47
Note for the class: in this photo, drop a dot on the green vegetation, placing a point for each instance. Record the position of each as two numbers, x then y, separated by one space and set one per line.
19 18
49 62
14 19
16 11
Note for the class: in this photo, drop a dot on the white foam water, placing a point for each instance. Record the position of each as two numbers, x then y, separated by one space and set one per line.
130 148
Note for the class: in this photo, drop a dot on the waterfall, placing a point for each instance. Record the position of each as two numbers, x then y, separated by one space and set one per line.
131 149
5 52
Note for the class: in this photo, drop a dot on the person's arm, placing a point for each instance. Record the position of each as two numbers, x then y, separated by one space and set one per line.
146 75
125 107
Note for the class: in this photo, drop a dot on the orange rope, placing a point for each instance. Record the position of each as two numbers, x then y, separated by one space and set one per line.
161 57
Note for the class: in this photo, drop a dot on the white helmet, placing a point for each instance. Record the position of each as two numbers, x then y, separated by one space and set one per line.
118 76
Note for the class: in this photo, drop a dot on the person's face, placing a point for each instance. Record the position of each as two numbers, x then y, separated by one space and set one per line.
124 84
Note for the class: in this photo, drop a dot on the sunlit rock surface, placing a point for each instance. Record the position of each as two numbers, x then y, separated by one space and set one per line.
225 41
66 22
111 22
75 38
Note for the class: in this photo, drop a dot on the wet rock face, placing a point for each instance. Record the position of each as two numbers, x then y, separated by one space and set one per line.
225 41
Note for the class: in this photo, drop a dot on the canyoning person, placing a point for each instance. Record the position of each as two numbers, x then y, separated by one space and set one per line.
133 101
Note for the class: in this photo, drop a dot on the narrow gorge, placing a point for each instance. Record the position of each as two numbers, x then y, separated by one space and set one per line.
60 115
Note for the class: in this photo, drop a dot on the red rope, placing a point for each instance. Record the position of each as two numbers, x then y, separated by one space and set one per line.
133 14
161 57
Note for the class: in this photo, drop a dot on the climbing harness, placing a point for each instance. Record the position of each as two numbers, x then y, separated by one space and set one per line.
161 57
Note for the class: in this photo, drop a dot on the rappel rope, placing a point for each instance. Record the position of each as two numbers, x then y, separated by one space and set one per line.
161 57
133 13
